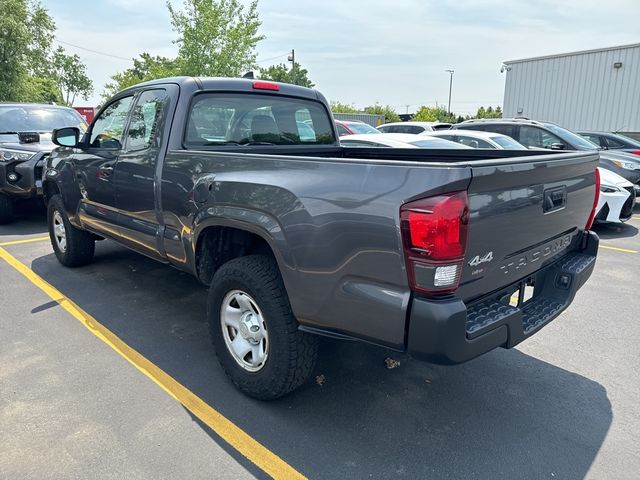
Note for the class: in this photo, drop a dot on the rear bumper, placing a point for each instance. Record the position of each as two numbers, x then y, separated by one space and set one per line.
450 332
29 182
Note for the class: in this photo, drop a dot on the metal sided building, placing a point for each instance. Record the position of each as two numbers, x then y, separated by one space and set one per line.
587 90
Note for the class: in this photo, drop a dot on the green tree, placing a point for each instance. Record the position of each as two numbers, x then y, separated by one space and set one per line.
489 112
145 68
41 28
282 73
40 90
390 115
70 75
14 45
337 107
434 114
216 38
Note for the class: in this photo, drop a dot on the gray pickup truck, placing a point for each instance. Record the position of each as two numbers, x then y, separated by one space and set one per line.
444 254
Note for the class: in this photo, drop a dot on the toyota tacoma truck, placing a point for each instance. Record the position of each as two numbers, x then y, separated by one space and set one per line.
443 254
25 141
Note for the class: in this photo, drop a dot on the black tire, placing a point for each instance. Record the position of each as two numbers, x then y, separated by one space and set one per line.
292 354
6 210
80 245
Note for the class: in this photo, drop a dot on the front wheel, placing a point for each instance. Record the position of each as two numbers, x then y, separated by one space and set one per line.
254 332
73 247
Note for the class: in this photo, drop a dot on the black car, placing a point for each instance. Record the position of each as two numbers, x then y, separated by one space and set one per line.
613 141
25 140
534 134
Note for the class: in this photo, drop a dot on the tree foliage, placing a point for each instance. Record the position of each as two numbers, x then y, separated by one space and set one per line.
489 112
390 115
282 73
434 114
145 68
337 107
30 71
216 38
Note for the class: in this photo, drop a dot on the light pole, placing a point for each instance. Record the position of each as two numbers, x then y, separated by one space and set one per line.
450 72
292 59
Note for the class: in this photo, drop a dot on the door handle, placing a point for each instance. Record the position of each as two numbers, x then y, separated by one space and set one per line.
108 169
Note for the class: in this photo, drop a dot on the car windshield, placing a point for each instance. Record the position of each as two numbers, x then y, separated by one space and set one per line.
438 143
508 143
362 128
37 118
574 140
629 140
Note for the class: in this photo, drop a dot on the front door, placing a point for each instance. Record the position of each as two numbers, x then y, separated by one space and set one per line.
136 178
95 167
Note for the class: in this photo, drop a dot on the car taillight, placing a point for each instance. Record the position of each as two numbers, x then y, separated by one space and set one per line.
596 197
434 236
636 152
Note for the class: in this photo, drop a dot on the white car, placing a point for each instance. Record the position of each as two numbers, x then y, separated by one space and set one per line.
617 198
414 128
478 139
398 140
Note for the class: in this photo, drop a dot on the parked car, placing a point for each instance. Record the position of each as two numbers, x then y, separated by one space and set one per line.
25 140
414 128
478 139
617 198
398 140
413 249
534 134
613 141
352 127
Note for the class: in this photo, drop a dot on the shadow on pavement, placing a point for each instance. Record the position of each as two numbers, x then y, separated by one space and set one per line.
609 231
505 415
30 218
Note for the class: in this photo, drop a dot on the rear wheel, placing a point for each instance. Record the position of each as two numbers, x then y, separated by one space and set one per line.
6 209
73 247
254 332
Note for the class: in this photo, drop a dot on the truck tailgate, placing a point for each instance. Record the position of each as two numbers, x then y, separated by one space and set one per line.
524 213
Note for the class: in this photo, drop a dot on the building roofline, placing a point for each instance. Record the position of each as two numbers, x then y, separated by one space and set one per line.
569 54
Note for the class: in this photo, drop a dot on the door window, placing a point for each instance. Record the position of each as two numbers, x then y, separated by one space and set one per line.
145 117
613 143
598 140
537 137
108 128
474 142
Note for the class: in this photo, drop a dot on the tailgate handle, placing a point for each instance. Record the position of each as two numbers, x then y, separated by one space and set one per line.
555 199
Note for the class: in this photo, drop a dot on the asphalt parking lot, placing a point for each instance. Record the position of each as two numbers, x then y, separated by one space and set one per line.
75 403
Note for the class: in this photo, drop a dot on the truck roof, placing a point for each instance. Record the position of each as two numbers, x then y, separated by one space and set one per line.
227 83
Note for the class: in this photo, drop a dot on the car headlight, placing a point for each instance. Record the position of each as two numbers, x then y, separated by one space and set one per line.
8 155
626 165
609 189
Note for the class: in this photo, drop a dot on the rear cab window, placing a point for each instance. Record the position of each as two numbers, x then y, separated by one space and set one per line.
231 119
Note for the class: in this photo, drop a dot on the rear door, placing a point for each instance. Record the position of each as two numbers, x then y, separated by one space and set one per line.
523 214
136 179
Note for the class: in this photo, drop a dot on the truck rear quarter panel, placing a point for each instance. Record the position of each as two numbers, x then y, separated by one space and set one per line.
333 226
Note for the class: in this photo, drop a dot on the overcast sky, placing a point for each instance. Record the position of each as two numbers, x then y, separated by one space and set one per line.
363 52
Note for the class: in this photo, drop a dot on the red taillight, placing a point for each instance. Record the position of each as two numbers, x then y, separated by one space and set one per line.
266 86
596 197
636 152
434 234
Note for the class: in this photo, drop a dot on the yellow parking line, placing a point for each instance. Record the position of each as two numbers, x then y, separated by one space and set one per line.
617 249
28 240
250 448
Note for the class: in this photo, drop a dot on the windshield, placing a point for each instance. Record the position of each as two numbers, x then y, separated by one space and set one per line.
508 143
362 128
438 143
630 140
574 140
37 118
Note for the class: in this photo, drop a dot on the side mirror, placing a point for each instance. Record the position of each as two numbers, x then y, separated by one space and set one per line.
557 146
66 137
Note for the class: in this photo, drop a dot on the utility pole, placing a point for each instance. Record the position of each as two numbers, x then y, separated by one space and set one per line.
450 72
407 111
292 59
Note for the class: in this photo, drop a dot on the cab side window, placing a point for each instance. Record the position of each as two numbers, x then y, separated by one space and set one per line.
108 128
537 137
146 115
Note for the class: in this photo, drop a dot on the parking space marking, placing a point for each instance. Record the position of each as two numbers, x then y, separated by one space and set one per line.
20 242
618 249
241 441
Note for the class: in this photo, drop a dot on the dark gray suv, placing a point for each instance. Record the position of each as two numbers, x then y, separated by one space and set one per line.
535 134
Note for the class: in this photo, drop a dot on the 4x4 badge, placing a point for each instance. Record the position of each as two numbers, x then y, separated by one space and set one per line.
478 260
